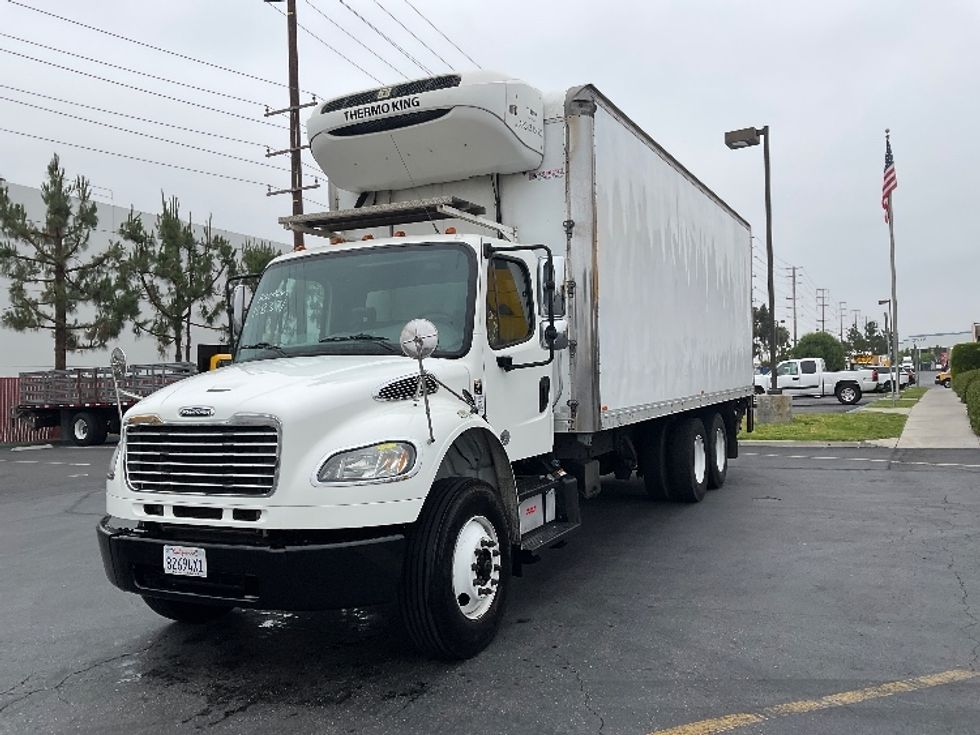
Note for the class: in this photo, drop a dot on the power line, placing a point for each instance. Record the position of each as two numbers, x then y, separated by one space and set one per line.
135 117
134 158
143 119
141 89
145 135
374 28
419 12
340 54
357 40
131 71
410 31
144 44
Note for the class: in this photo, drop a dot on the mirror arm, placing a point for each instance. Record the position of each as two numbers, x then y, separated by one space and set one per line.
229 283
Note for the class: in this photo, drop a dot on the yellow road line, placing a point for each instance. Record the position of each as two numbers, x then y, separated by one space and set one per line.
727 723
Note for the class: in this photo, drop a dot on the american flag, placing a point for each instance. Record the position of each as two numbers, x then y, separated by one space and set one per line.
890 182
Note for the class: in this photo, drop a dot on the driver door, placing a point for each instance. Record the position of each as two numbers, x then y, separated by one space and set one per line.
517 400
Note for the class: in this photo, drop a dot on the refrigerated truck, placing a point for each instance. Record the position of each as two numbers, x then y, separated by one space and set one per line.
512 295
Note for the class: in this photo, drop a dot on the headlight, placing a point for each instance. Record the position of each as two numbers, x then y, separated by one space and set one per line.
376 462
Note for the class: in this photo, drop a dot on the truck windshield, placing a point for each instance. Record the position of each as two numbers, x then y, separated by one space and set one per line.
356 302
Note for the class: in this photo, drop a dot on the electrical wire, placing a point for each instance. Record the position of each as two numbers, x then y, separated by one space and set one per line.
374 28
419 12
134 158
357 40
145 135
144 44
131 71
133 117
412 33
339 53
141 89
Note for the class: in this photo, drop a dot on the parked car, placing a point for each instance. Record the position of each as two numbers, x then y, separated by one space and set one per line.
809 377
885 378
910 371
944 378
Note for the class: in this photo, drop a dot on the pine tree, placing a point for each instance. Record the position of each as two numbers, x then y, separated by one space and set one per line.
51 279
178 275
256 255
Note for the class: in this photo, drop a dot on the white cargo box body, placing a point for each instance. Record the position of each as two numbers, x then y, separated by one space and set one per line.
658 266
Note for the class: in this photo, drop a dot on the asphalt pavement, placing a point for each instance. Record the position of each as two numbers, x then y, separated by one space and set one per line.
821 591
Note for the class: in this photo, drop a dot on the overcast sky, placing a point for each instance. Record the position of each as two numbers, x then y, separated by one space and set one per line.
827 77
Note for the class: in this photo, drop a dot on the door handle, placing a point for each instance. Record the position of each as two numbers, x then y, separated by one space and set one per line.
796 378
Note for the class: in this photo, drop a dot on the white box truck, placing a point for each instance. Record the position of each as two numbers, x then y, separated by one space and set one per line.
514 295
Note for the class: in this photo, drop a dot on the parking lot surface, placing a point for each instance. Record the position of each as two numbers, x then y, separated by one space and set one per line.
820 591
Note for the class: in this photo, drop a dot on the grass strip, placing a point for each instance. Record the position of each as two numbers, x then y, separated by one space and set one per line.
858 426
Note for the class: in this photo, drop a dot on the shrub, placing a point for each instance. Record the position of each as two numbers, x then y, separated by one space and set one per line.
964 357
821 344
973 405
962 382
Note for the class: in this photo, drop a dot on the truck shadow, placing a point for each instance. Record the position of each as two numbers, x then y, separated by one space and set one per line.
321 660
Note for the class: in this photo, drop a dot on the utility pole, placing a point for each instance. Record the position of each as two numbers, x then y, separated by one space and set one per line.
842 309
295 133
822 305
856 313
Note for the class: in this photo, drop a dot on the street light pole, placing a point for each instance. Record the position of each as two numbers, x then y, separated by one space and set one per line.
744 138
773 384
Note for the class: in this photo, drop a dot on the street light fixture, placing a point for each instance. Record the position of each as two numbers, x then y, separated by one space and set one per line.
745 138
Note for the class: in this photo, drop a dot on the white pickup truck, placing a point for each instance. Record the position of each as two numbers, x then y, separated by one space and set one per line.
809 376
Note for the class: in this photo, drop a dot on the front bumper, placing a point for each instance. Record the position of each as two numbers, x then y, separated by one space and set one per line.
285 572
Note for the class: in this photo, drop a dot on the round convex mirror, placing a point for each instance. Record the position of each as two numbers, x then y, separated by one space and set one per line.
419 338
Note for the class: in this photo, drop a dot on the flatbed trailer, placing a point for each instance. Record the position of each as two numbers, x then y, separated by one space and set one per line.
82 401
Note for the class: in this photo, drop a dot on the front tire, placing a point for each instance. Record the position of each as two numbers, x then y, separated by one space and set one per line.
687 460
457 570
186 612
947 383
717 452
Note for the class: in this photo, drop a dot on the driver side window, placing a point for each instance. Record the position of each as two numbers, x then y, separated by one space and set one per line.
510 309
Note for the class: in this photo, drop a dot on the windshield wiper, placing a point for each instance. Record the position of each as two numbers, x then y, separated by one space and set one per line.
264 346
381 341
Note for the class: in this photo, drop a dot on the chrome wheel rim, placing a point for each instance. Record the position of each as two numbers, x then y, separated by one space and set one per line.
721 449
81 429
700 459
476 567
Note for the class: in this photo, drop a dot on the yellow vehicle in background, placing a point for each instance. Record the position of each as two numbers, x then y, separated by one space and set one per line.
944 378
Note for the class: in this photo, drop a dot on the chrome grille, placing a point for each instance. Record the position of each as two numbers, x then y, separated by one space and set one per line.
223 459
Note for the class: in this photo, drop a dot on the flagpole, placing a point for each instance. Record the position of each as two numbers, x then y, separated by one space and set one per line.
896 378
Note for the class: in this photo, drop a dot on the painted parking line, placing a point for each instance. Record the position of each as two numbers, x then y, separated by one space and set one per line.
727 723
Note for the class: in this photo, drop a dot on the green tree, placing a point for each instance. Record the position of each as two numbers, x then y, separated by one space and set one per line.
761 329
855 341
178 274
51 278
877 342
821 344
256 255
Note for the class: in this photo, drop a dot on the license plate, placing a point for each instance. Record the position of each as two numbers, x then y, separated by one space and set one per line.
185 561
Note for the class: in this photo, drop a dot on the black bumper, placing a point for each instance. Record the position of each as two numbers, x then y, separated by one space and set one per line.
301 574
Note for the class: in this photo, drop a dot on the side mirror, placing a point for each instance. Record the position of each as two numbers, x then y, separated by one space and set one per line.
557 338
238 308
419 339
117 362
551 283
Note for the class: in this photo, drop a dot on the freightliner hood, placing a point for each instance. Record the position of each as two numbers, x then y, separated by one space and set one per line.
290 387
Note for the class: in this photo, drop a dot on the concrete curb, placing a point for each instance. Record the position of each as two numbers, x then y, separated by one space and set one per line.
789 443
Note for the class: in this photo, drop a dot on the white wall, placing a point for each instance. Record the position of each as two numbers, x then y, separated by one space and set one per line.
22 351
